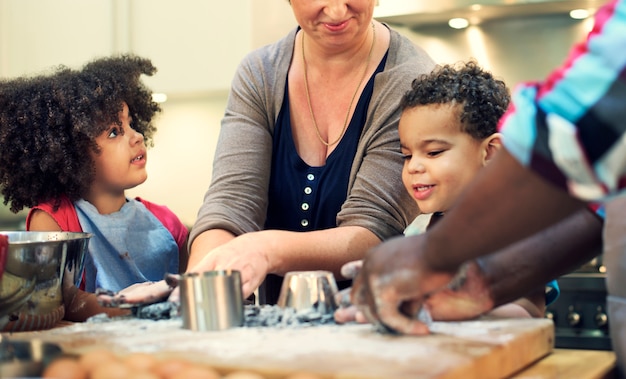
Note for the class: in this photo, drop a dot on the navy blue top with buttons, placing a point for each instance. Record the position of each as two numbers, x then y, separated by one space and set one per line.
305 198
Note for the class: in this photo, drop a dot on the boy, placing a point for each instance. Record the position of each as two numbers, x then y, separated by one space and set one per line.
448 132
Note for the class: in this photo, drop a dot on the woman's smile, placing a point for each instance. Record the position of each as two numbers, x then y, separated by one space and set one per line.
336 27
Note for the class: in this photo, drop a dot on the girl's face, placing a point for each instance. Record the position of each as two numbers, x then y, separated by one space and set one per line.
334 23
121 163
439 159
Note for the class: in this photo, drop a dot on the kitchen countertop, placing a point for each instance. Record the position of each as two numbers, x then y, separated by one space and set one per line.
572 363
479 349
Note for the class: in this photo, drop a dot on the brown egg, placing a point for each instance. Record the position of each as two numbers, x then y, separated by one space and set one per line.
65 368
93 358
166 368
111 370
244 375
197 372
142 374
139 361
303 375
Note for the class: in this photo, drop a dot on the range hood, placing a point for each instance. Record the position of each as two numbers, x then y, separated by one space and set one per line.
416 13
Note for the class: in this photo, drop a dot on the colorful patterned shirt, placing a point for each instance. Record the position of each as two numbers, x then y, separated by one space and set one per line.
570 128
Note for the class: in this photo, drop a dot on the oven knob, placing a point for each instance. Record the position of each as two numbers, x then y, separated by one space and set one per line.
601 318
573 318
550 315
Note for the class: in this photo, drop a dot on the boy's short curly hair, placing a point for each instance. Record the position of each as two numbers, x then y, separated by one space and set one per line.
49 123
483 98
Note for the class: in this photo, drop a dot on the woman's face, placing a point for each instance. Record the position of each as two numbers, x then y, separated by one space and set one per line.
334 22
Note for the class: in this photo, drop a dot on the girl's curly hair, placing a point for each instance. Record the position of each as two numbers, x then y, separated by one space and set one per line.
49 122
483 98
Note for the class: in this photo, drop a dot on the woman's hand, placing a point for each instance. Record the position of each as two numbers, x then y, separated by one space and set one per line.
247 253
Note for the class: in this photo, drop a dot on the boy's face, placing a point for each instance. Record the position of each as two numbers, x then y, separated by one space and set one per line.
121 163
439 159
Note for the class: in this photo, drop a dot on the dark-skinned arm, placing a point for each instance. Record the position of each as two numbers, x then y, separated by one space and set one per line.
505 204
511 282
516 274
547 255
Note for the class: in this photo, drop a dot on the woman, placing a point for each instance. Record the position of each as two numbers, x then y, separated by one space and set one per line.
305 172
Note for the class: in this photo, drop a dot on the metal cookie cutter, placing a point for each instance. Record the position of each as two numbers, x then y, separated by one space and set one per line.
211 300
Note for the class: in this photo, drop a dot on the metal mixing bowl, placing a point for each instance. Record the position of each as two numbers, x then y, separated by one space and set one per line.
26 359
40 268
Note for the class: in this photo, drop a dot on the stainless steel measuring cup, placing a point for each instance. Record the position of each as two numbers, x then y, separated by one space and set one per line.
309 291
211 300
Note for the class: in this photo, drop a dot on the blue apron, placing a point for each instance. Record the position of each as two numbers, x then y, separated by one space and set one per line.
129 246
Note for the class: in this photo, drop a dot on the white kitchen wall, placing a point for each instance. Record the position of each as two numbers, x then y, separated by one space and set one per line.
38 34
180 164
271 20
196 46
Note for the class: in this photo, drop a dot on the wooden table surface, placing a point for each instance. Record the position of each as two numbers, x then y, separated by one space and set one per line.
478 349
572 363
560 363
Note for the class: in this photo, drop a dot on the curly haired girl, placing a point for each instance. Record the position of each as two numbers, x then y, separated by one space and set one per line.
71 143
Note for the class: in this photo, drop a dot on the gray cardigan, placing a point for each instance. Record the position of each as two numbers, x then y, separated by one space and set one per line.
237 197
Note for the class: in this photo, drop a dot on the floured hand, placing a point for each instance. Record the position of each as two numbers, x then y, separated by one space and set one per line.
394 283
348 312
466 297
135 295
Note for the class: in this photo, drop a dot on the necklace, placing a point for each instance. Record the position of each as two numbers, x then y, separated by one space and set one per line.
308 97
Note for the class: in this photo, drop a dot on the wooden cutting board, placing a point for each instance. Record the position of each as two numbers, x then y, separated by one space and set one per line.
471 349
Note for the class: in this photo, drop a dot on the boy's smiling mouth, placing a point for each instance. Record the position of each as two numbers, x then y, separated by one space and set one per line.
421 192
422 187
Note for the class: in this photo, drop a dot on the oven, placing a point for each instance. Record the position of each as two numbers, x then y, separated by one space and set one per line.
579 314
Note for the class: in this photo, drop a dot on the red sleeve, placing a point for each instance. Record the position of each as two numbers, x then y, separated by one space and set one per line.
65 215
169 220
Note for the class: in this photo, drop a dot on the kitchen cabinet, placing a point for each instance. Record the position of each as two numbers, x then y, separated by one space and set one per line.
195 44
38 34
